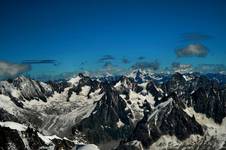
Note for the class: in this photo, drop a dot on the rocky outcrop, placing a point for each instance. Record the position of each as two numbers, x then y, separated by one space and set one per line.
125 84
152 88
110 119
22 89
10 139
211 103
132 145
168 118
31 89
84 81
30 139
176 83
206 95
5 116
58 86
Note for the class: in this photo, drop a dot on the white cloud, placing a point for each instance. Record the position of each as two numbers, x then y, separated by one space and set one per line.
197 50
8 69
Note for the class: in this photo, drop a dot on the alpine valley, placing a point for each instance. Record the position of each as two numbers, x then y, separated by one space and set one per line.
136 111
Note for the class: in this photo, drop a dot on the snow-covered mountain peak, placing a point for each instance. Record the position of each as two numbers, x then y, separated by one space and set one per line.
74 80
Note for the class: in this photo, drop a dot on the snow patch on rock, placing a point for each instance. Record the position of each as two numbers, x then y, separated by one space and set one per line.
120 124
75 80
85 90
87 147
14 125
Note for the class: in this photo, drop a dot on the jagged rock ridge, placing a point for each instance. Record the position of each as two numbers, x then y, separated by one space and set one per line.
140 107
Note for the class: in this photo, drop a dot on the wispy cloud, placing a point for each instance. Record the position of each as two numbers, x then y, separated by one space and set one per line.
183 68
192 50
107 64
202 68
106 58
141 58
195 36
125 60
83 63
109 68
9 70
211 68
153 65
44 61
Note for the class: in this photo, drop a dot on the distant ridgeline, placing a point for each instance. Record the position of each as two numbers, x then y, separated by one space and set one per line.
134 111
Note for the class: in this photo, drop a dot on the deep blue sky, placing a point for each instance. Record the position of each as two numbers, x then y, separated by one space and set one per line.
75 31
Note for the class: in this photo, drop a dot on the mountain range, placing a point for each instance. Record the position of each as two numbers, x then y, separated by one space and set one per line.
136 111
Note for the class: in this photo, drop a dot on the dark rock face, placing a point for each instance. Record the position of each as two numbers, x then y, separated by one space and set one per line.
58 86
33 139
16 101
168 118
206 95
12 139
151 88
101 125
176 84
5 116
138 89
127 84
138 77
63 144
210 103
133 145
